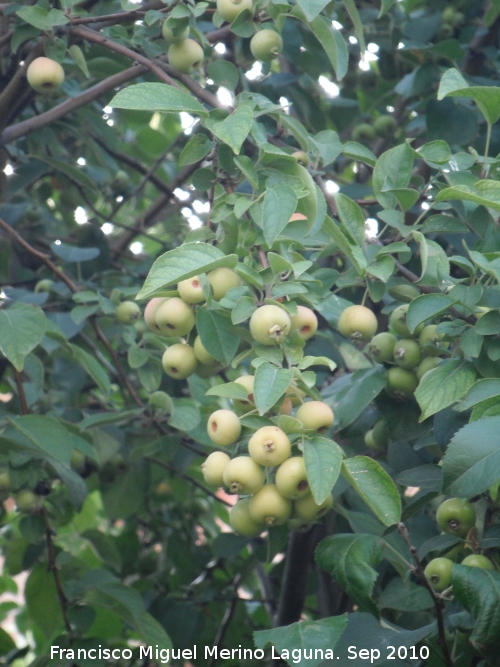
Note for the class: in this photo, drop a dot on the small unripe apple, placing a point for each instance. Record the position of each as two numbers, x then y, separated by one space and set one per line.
475 560
168 34
201 353
45 75
174 317
369 441
241 521
430 340
179 361
229 9
448 14
305 322
207 370
128 312
407 354
44 285
380 434
303 158
315 415
150 313
27 501
161 401
358 323
269 325
456 516
213 468
120 183
186 56
266 45
381 347
243 476
269 446
77 460
222 280
269 507
401 383
385 125
397 320
296 395
4 481
190 290
438 572
245 403
307 508
363 132
427 364
286 408
223 427
291 478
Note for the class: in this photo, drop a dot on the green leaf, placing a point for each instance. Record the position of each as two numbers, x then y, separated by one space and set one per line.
223 73
234 129
312 8
156 97
333 43
351 560
328 145
77 54
217 336
385 6
22 328
270 384
426 306
353 12
185 414
355 151
279 205
355 393
70 253
307 636
375 486
184 262
472 459
93 367
308 361
352 252
246 165
487 98
228 390
444 386
478 591
42 601
486 193
41 434
198 147
437 152
323 459
352 219
243 309
41 18
481 391
392 170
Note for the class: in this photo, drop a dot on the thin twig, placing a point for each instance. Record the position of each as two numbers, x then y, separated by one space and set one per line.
226 620
438 602
52 567
20 391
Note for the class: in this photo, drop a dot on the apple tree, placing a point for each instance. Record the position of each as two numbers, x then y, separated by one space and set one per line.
249 332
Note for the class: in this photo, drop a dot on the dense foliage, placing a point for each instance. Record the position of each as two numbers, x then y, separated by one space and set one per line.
204 256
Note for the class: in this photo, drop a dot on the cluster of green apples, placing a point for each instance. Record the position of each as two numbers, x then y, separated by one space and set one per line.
174 317
271 482
407 355
452 19
455 516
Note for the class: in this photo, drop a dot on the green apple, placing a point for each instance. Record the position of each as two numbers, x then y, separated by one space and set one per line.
223 427
174 35
120 183
427 364
186 56
77 460
363 132
248 403
174 317
358 323
381 347
222 280
150 313
44 285
305 322
269 507
385 125
407 354
401 383
269 325
315 415
213 468
128 312
438 572
291 478
243 476
27 501
241 521
201 353
308 509
475 560
45 75
269 446
229 9
302 158
179 361
190 290
266 45
456 516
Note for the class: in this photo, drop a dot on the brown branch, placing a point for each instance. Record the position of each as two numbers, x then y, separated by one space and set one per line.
226 620
20 391
93 36
438 602
52 567
17 85
37 122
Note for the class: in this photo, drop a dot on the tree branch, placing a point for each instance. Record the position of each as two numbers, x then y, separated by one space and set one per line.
52 567
20 391
438 603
